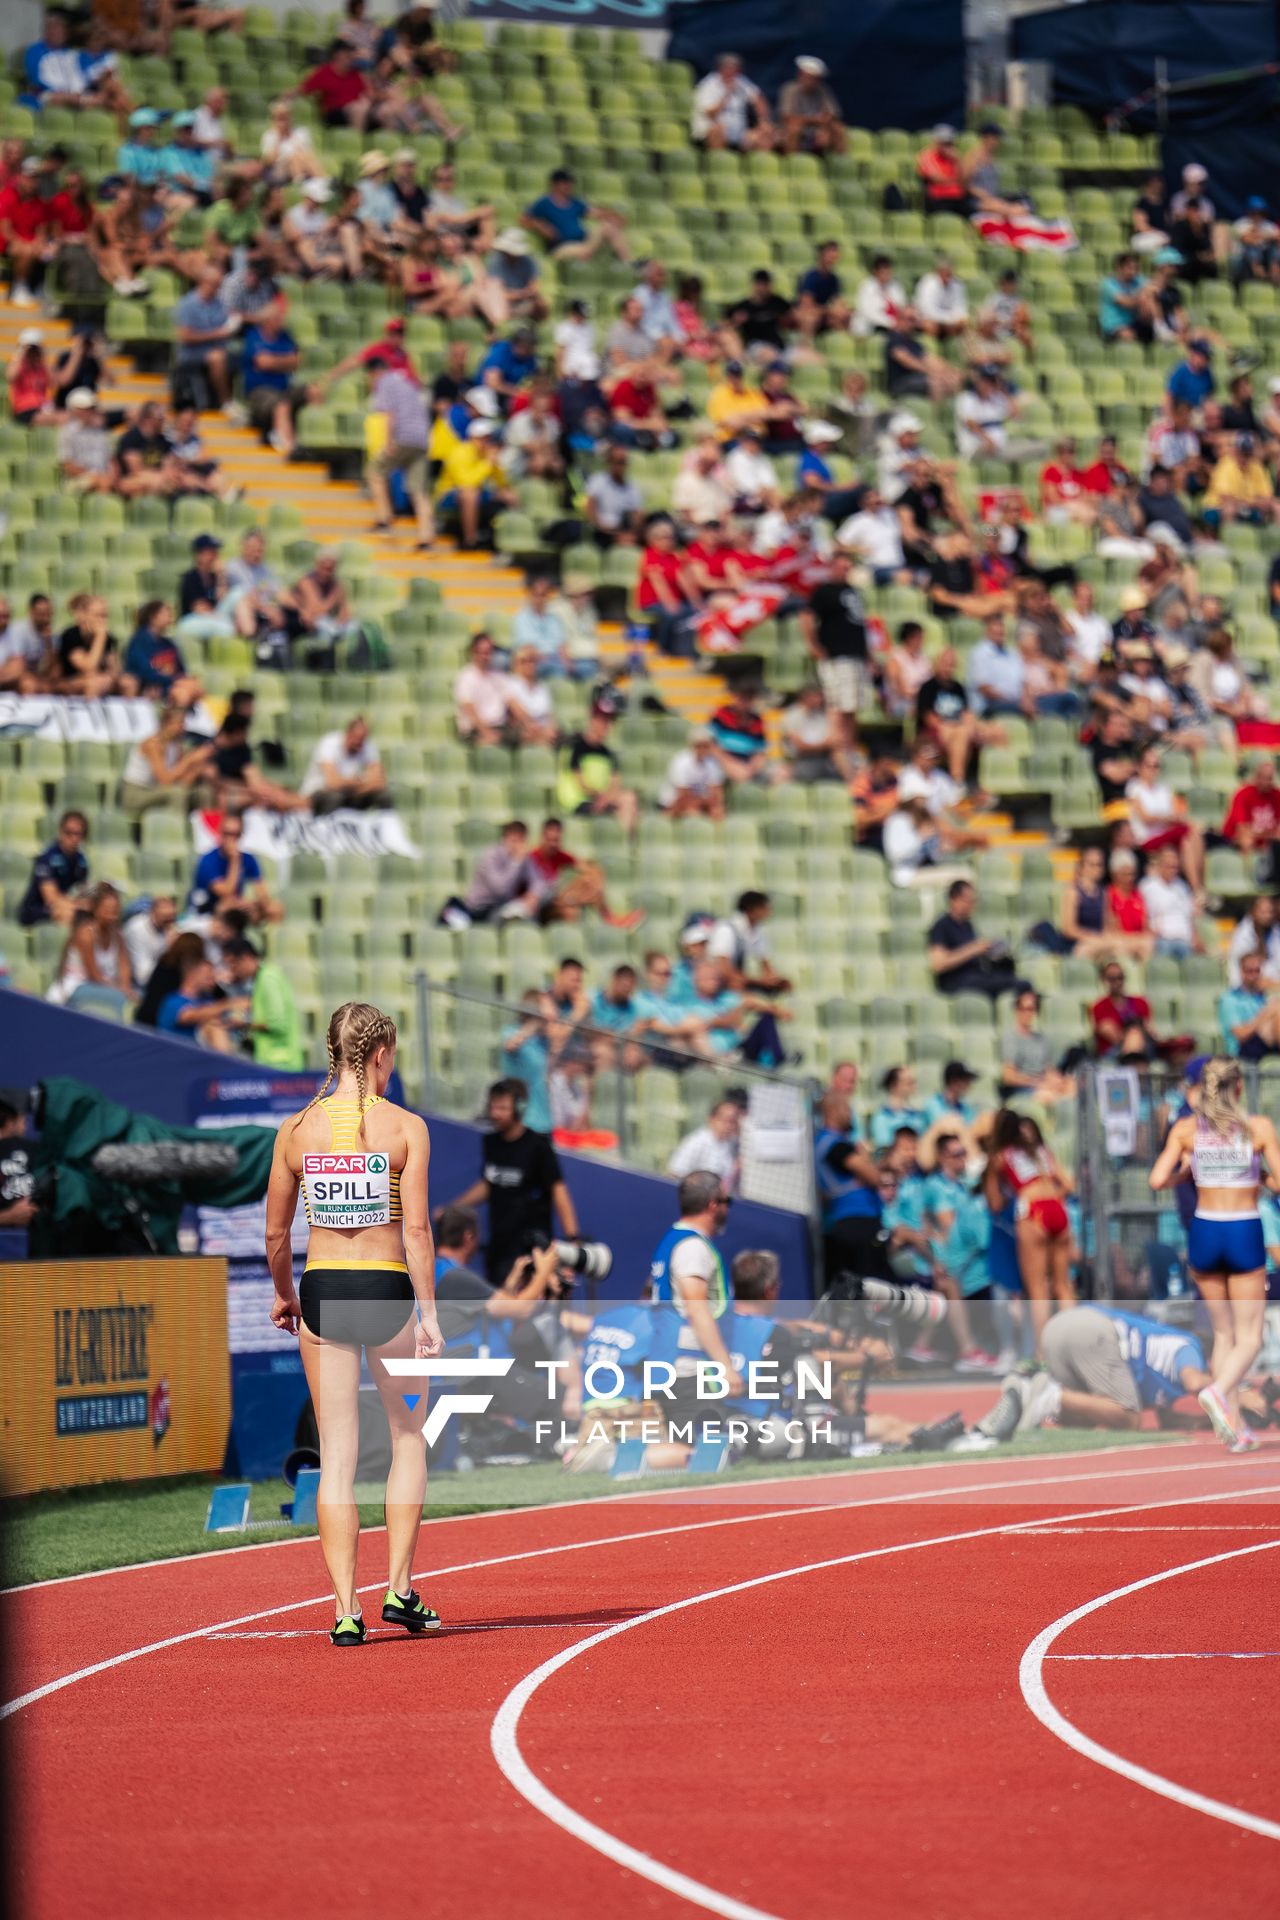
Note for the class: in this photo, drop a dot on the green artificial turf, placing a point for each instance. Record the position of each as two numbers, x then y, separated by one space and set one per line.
47 1535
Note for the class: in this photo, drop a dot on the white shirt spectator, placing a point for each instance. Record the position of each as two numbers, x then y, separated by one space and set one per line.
144 944
615 501
1171 908
750 475
1157 692
875 537
331 750
1245 940
20 641
733 100
283 150
937 789
701 1152
734 939
698 497
658 318
1156 802
979 414
876 306
999 668
208 128
484 693
1092 633
943 302
892 461
904 847
689 771
579 351
534 701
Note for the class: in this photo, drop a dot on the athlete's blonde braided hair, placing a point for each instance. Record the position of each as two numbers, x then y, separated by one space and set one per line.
1221 1089
355 1033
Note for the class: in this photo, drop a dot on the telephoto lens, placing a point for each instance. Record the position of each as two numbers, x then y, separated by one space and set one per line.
591 1258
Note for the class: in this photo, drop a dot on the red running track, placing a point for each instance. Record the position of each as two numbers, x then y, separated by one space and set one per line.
851 1735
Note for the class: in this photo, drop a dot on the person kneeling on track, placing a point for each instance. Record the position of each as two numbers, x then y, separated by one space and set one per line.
1103 1367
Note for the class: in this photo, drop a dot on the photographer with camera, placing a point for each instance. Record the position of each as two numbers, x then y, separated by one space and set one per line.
521 1182
688 1274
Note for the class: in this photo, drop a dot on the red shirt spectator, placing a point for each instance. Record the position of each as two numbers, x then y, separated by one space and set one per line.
939 169
715 561
670 566
23 214
1253 818
1127 909
1061 479
637 399
1113 1015
1106 475
335 89
389 350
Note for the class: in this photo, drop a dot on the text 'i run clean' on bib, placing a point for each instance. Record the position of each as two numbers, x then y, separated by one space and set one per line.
347 1189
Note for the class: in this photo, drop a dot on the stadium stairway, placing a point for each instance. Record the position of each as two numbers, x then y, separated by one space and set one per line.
333 510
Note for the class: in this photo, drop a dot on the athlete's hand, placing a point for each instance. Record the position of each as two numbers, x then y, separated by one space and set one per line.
430 1340
286 1312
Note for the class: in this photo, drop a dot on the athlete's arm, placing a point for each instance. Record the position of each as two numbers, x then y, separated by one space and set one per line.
419 1246
1264 1139
282 1204
1168 1167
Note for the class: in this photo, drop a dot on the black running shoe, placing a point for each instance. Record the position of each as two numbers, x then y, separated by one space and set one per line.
413 1614
349 1631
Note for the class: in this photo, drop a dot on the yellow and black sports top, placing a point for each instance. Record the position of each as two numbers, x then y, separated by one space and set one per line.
353 1185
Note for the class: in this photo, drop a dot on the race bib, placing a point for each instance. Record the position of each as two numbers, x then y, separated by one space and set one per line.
347 1189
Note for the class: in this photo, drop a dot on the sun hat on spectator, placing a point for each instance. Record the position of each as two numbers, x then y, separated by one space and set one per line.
944 133
905 422
404 157
482 400
374 162
32 165
1176 657
820 433
809 63
30 337
696 930
317 190
512 241
481 429
1133 600
574 583
1194 171
81 399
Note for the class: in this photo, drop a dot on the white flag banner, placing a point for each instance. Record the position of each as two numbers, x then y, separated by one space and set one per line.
278 836
108 723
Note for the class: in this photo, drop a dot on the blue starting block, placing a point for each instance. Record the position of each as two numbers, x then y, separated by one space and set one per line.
301 1510
228 1510
709 1456
628 1462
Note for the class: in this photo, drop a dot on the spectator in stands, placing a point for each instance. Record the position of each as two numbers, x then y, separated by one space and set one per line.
230 873
153 659
270 358
1010 312
880 303
960 960
271 1027
667 592
751 474
899 1108
997 674
60 75
88 654
571 228
1240 487
203 326
84 446
321 609
1255 246
1191 217
1192 379
694 781
1120 302
939 172
513 270
27 647
569 886
531 714
712 1147
1258 931
539 627
503 883
1155 820
637 416
342 93
740 941
473 482
918 847
588 780
738 737
1252 822
346 770
940 301
809 111
1121 1021
815 740
401 402
730 111
197 1011
287 155
980 173
165 769
95 957
480 696
1126 907
874 535
240 782
57 875
30 381
1249 1017
1027 1070
24 229
762 319
910 370
1171 907
658 320
256 599
147 933
613 503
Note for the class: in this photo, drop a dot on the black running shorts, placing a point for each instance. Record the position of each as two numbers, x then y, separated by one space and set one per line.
358 1306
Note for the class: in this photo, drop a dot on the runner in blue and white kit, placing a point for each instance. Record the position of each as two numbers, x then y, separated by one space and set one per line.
1225 1150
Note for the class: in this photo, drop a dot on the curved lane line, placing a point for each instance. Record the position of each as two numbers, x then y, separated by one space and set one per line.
1035 1693
504 1734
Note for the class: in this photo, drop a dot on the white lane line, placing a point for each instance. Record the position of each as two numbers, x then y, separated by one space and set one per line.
649 1492
504 1733
1272 1655
1034 1692
1228 1526
611 1540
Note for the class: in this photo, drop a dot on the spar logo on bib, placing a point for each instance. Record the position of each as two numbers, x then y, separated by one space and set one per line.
347 1189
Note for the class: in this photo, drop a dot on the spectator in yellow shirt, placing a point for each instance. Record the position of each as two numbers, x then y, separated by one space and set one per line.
1240 487
732 403
471 481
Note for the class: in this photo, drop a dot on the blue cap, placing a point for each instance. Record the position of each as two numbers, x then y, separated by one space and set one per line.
145 117
1193 1072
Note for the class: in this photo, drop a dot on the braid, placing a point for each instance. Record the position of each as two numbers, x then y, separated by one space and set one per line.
330 1077
360 1095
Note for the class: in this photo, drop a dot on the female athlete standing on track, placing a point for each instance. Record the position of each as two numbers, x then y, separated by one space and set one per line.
362 1166
1223 1149
1020 1163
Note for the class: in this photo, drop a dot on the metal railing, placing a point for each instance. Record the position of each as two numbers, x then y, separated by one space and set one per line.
631 1099
1131 1237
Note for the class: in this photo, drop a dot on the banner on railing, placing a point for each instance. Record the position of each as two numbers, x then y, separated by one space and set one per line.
109 723
278 836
